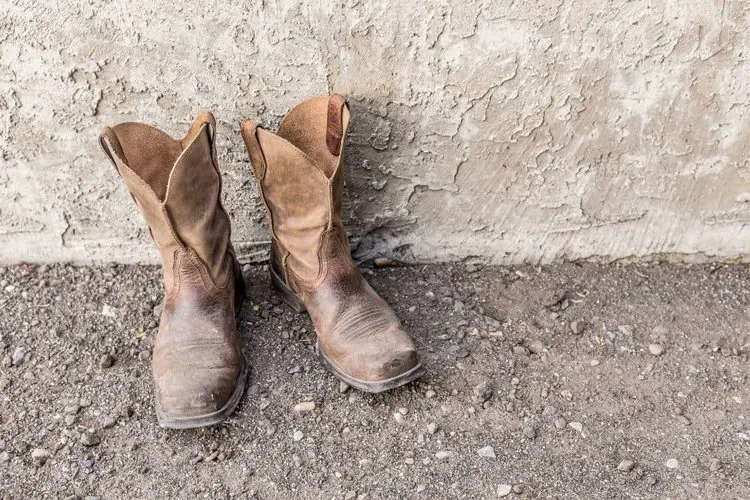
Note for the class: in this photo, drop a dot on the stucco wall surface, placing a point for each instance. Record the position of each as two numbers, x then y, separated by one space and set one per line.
503 131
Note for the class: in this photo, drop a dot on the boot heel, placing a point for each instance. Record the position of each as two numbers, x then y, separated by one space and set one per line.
286 293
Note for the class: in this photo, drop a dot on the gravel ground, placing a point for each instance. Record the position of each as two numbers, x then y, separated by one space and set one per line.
570 381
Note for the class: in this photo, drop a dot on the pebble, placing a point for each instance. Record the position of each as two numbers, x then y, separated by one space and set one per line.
594 362
430 394
343 387
298 435
106 361
577 326
518 489
520 350
109 422
529 432
39 456
486 451
304 407
109 311
714 465
656 349
482 391
626 466
443 454
19 354
672 463
90 438
578 426
560 423
432 428
536 347
4 457
399 417
503 490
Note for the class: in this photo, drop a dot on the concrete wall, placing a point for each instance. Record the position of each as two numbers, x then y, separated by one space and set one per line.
506 131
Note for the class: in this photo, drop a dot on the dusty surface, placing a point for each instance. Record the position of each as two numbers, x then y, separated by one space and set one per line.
505 131
658 376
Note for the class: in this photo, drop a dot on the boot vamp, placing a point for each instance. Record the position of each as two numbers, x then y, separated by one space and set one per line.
197 356
358 331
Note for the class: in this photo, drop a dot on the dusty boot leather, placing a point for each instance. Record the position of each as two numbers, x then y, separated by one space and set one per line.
301 179
198 366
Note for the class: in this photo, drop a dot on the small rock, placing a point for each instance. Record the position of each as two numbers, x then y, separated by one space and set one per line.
626 466
421 488
109 311
39 456
577 326
443 455
520 350
343 387
432 428
518 489
529 432
594 362
560 423
672 463
714 465
305 407
430 394
109 422
482 391
19 355
106 361
298 435
350 495
90 438
503 490
399 417
536 347
578 426
486 451
157 310
295 369
656 349
4 457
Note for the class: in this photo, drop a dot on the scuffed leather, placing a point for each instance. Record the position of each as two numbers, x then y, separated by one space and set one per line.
301 178
197 358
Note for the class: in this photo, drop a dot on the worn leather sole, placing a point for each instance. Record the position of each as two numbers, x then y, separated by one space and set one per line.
210 418
363 385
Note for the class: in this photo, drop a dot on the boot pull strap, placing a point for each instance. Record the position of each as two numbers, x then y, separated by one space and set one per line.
335 126
111 147
257 159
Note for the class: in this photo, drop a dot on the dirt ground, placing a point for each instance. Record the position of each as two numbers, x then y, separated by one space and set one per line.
570 381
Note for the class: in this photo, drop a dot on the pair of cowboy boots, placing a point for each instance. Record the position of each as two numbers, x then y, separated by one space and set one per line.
199 369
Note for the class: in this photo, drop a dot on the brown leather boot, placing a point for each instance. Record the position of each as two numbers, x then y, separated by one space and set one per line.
301 179
198 365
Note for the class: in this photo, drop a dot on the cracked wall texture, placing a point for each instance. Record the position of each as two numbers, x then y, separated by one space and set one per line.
500 131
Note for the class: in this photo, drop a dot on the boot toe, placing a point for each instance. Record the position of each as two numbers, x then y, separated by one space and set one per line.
378 358
197 393
195 382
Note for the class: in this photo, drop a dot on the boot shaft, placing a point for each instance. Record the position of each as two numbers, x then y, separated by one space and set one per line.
301 178
177 186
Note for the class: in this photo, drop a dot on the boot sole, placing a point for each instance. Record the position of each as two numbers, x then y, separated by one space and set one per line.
220 415
296 303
